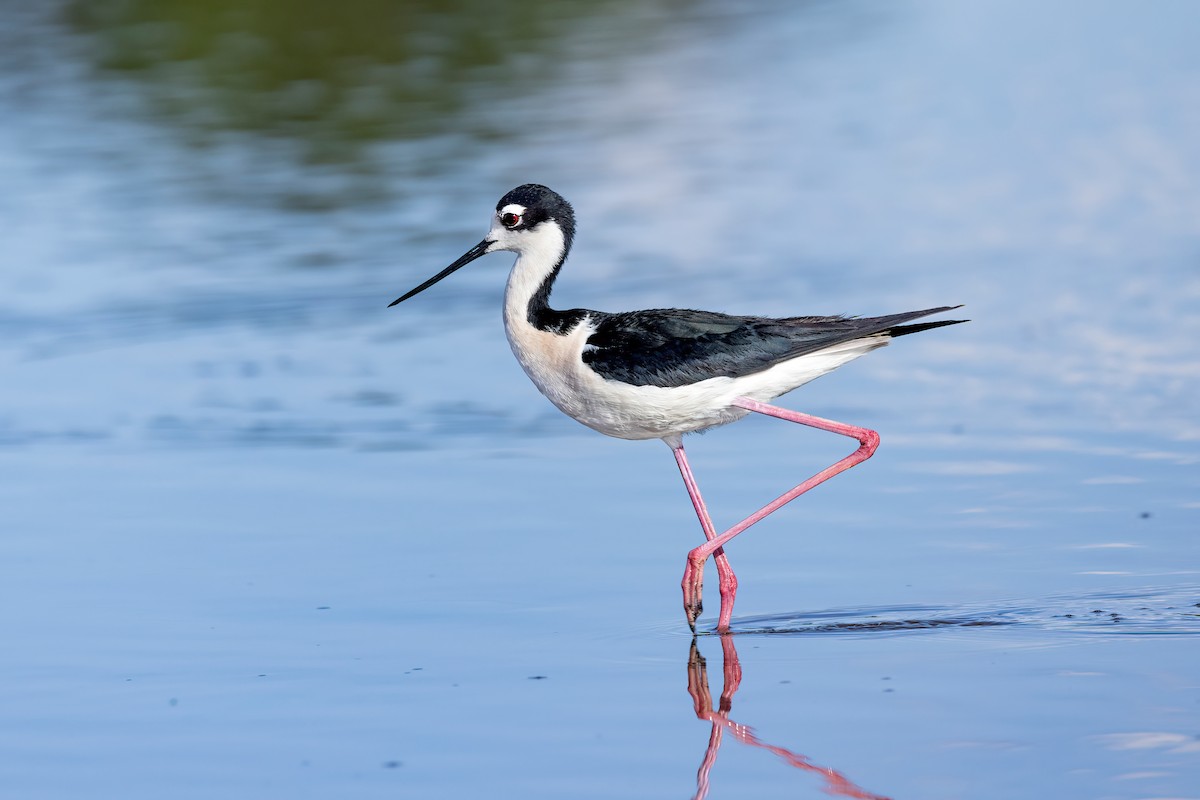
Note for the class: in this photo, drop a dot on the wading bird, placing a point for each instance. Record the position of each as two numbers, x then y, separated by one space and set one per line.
661 373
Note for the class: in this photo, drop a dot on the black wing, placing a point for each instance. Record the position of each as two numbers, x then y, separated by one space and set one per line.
676 347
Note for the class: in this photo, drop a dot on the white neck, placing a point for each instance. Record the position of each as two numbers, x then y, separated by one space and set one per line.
540 252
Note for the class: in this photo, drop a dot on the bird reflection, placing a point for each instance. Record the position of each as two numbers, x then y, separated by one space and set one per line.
836 783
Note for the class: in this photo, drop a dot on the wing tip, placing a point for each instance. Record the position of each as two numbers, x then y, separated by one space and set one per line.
904 330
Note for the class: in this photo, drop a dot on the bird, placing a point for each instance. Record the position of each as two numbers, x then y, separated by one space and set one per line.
664 373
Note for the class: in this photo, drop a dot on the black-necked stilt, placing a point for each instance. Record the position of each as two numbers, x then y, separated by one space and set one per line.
660 374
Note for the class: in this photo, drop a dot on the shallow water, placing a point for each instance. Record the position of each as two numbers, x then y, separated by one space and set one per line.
264 537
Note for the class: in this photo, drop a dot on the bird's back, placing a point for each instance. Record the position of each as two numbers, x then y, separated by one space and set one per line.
676 347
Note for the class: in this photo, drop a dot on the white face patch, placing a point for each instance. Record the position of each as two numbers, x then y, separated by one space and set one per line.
510 217
505 232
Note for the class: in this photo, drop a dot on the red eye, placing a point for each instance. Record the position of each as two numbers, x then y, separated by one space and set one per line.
510 220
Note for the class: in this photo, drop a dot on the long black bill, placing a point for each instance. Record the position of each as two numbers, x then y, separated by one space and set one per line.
467 257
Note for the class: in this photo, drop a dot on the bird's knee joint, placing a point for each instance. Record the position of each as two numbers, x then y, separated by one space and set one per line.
869 441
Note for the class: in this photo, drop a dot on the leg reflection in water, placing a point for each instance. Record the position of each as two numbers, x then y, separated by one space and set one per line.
836 783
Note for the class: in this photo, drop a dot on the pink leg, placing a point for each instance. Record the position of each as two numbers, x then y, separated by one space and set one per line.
694 572
727 581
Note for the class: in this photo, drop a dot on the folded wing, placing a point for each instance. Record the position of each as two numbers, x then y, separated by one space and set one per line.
676 347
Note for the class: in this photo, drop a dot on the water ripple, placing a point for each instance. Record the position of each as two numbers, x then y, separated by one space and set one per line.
1158 611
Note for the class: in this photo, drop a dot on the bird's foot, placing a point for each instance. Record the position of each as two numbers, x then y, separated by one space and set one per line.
692 611
693 589
728 588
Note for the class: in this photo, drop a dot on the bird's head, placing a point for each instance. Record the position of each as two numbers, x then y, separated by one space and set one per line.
531 220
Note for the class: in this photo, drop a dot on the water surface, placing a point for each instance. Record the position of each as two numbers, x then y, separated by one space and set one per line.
264 537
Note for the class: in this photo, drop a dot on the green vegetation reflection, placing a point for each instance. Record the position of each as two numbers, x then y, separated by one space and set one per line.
336 76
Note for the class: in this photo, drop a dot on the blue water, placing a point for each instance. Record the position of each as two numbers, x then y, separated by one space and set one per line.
263 537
